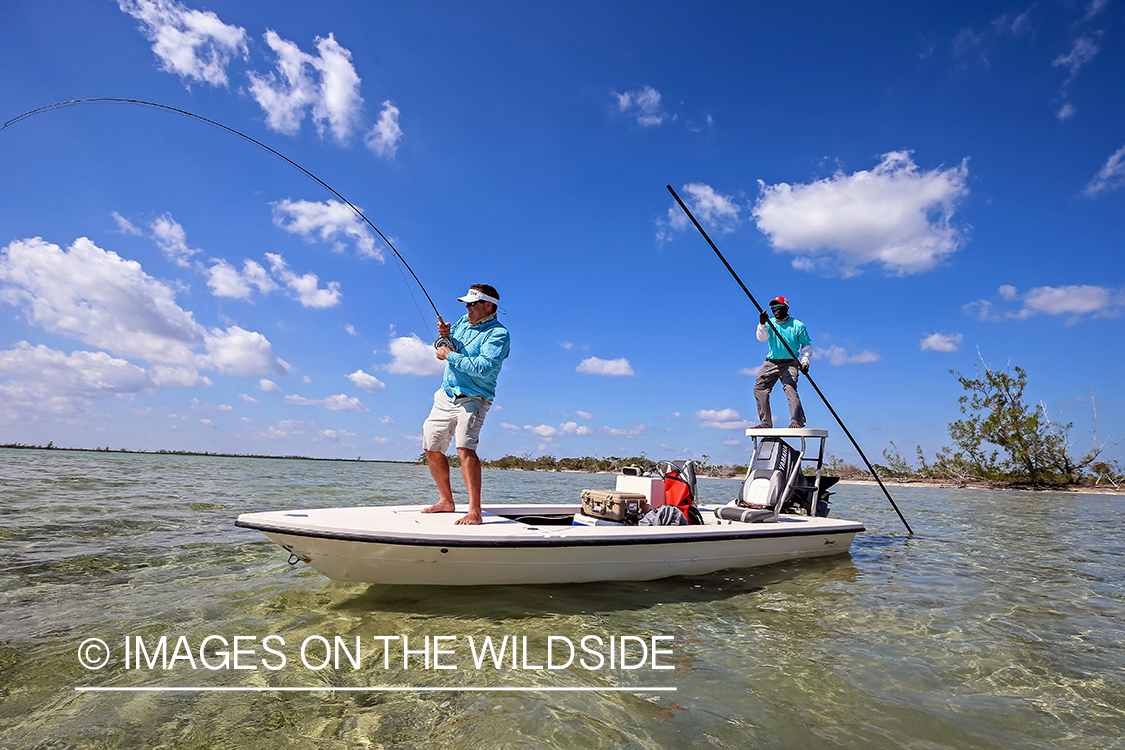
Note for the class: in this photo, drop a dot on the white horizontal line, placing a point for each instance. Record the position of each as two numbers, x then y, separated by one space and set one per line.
327 688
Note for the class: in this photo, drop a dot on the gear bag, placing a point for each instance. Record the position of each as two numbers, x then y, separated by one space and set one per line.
679 488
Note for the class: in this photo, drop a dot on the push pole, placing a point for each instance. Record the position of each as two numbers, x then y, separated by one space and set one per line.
794 355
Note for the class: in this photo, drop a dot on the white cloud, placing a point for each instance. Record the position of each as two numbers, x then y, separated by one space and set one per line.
1082 52
248 399
46 381
566 345
111 303
330 221
894 215
1110 177
584 415
634 430
1073 300
350 329
722 419
339 402
172 240
386 419
644 104
942 342
288 95
573 428
712 209
544 431
193 44
387 134
837 355
611 367
88 375
413 356
268 386
380 440
227 281
369 383
750 371
125 226
306 289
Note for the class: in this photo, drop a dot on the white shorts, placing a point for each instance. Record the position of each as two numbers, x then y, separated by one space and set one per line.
463 417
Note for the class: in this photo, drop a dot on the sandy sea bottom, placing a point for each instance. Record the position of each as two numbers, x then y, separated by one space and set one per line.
999 624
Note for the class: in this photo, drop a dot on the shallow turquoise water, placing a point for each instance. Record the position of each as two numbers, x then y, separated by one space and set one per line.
1000 624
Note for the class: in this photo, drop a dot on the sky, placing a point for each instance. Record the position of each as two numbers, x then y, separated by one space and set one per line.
935 186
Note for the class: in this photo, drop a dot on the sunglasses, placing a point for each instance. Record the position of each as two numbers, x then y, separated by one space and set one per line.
475 302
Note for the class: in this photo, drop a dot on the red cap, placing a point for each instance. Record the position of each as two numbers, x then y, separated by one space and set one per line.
779 301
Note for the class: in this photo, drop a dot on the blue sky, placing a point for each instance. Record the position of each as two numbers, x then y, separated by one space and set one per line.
923 180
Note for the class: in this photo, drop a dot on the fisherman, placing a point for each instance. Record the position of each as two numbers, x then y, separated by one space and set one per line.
780 364
473 349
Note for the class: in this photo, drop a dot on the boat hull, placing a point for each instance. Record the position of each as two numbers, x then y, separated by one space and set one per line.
400 545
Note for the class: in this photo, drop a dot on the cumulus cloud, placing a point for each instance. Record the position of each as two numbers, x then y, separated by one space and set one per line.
227 281
331 222
327 85
193 44
643 104
172 240
837 355
896 215
612 367
369 383
386 135
1074 301
305 289
413 356
339 402
268 386
942 342
98 297
722 419
712 209
1110 177
89 375
46 381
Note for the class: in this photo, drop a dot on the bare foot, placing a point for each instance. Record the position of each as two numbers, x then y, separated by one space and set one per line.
441 507
470 518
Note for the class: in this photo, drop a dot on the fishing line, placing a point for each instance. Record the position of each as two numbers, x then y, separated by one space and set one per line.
259 144
794 355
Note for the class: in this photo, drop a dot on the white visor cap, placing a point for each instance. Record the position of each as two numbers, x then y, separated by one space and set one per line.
476 295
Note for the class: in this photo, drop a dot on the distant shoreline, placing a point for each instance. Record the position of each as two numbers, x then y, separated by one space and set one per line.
206 454
971 484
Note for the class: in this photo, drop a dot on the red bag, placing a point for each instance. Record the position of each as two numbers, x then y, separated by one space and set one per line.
677 492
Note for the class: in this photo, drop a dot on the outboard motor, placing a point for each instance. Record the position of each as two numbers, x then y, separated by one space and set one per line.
773 463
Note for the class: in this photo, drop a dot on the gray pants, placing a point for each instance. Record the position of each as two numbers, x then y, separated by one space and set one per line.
787 372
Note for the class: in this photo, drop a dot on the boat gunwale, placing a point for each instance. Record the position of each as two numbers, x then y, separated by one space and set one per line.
753 531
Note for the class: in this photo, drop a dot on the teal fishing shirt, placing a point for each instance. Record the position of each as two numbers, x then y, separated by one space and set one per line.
794 333
472 370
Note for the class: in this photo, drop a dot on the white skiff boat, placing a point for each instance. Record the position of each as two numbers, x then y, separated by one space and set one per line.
768 523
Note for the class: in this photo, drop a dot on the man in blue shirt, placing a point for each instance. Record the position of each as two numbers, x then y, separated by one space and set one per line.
472 365
780 364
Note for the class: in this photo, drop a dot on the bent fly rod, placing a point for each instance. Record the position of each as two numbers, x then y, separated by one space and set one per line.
794 355
232 131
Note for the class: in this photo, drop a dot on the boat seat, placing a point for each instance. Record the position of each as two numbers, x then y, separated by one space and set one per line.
746 515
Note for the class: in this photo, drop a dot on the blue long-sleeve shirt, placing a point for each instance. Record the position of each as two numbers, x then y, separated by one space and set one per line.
794 333
472 370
